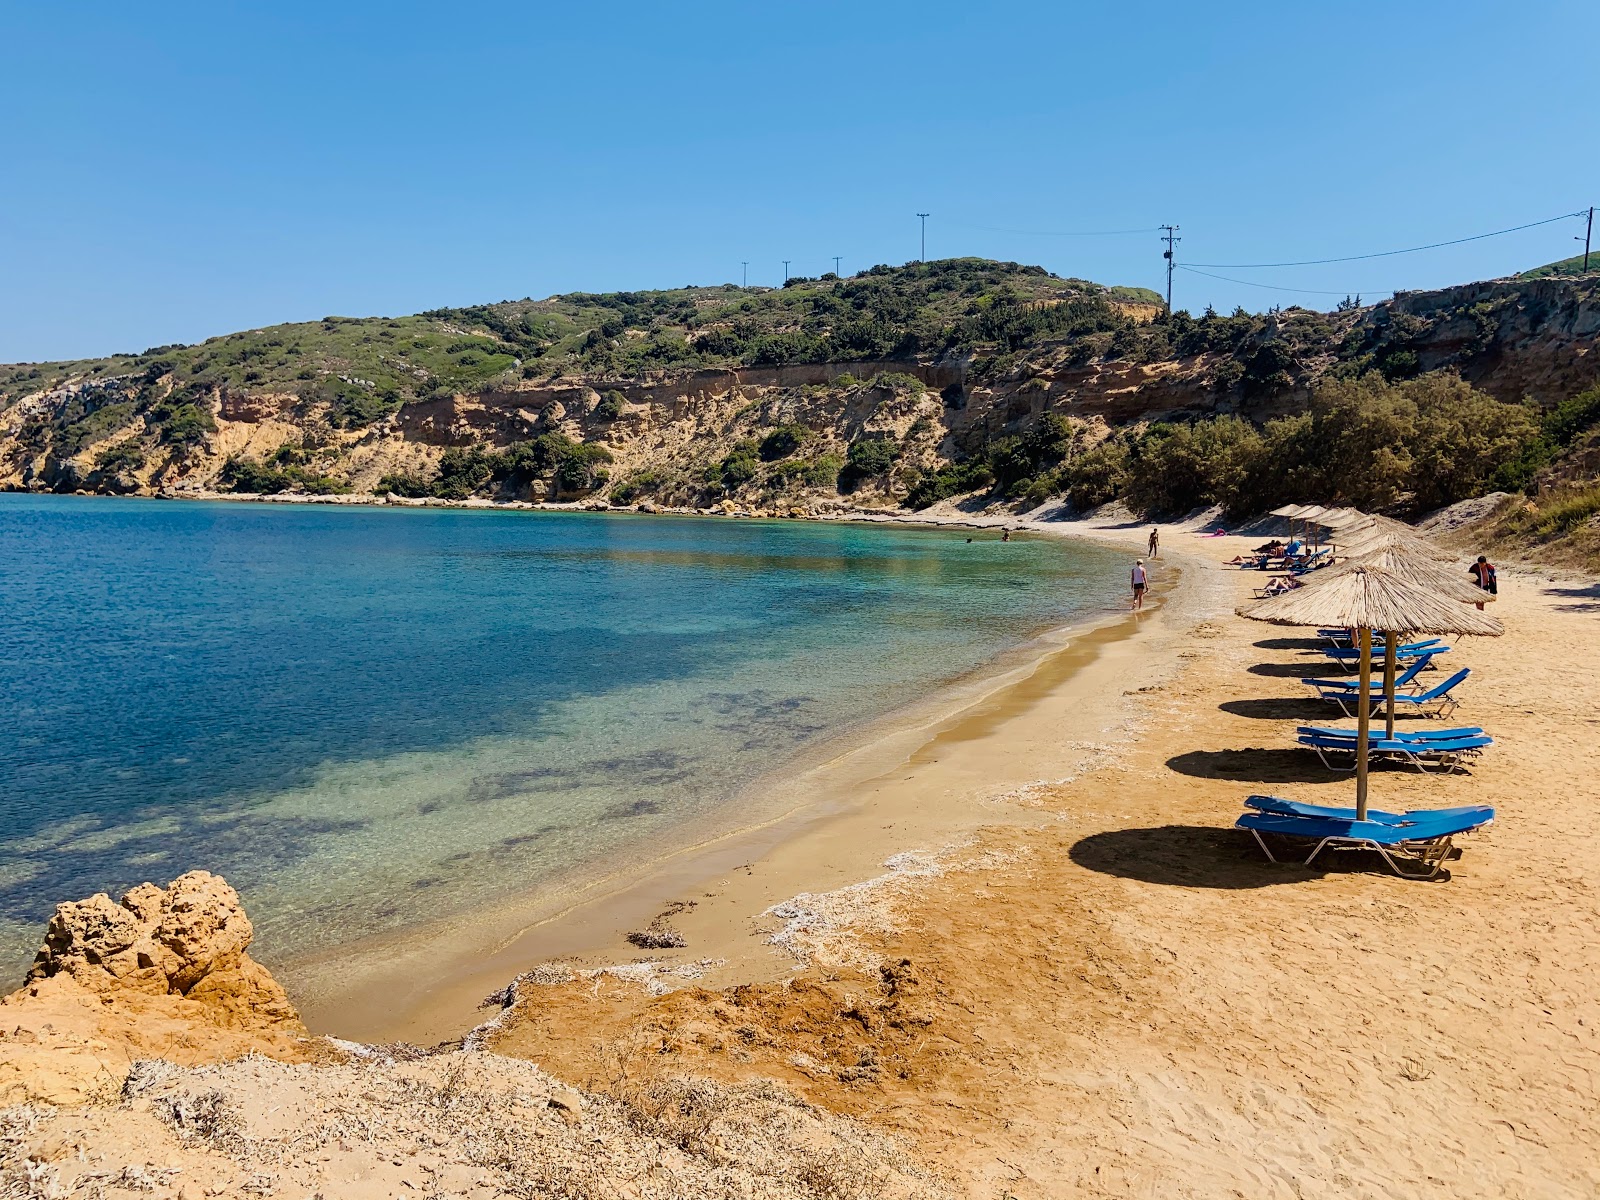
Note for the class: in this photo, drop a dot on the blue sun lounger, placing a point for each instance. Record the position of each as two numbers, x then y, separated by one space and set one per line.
1435 702
1294 808
1411 650
1343 692
1419 735
1424 837
1425 754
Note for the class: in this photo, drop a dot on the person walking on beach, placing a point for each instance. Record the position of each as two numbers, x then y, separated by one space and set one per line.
1140 580
1155 542
1483 575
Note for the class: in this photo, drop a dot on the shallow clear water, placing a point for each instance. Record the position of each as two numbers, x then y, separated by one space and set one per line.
364 717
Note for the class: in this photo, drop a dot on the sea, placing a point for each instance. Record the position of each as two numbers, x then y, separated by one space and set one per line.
369 717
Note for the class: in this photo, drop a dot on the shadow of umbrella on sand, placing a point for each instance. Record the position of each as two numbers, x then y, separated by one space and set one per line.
1364 598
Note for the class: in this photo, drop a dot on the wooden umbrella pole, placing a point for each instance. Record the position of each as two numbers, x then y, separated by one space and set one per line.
1390 641
1364 723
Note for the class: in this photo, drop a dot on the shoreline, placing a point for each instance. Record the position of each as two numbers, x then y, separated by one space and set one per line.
826 819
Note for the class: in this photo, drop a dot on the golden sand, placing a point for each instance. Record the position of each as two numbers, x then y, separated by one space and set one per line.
1115 995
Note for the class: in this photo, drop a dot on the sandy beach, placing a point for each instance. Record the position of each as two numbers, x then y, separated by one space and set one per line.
1014 932
1118 996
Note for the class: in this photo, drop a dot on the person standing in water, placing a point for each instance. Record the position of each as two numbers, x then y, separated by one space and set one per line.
1155 541
1140 580
1483 575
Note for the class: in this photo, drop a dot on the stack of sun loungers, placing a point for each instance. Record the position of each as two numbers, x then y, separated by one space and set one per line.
1420 839
1422 836
1426 750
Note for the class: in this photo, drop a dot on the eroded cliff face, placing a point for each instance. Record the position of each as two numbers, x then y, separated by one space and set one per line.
164 973
1511 338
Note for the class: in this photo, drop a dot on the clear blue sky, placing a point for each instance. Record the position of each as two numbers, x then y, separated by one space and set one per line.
175 170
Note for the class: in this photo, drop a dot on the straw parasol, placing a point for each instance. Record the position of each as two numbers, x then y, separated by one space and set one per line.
1364 598
1383 532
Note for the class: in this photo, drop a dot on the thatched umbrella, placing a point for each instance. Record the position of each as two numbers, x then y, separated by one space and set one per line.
1383 533
1365 598
1401 557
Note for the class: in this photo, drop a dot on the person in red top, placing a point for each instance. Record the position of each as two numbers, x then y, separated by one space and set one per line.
1483 575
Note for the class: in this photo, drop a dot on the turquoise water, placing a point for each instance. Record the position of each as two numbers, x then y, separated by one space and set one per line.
366 716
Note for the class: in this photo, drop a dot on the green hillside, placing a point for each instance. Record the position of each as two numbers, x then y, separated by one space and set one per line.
363 368
1567 266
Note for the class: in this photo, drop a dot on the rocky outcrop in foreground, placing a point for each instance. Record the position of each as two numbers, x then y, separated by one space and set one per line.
138 1059
164 973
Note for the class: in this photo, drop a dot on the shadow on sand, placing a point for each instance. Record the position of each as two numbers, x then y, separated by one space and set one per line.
1585 599
1185 856
1307 668
1307 712
1291 643
1255 766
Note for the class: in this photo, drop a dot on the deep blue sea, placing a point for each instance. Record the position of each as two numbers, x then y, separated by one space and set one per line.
361 716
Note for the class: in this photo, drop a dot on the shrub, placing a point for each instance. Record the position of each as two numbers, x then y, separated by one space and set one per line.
952 480
610 406
737 468
644 483
124 456
245 475
1096 476
405 484
782 442
184 424
867 458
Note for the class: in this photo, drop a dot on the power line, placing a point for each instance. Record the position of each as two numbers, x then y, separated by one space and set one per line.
1274 288
1316 262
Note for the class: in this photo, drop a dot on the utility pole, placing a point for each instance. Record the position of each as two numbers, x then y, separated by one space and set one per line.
924 218
744 279
837 257
1588 232
786 270
1167 254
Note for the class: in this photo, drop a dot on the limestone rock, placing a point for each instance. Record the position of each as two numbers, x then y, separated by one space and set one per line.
157 941
163 974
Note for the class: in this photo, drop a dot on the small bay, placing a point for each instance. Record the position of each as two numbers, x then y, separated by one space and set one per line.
370 717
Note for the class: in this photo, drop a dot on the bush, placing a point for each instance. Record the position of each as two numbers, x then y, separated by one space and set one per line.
610 406
1096 476
644 483
1174 468
124 456
245 475
952 480
867 458
577 467
404 484
782 442
184 424
737 468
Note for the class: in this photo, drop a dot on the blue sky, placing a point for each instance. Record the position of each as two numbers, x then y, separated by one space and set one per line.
174 171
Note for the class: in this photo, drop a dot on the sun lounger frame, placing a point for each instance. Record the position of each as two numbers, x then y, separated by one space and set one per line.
1430 852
